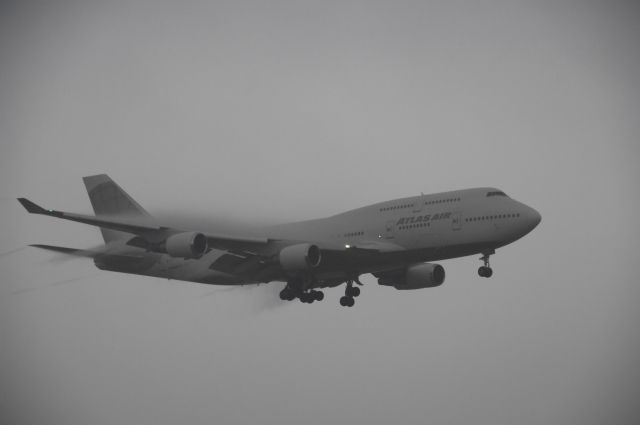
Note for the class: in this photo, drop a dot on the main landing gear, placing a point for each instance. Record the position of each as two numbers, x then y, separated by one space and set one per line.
350 292
311 296
294 290
486 271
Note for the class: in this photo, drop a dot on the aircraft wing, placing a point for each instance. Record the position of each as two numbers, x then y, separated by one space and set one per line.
250 257
146 228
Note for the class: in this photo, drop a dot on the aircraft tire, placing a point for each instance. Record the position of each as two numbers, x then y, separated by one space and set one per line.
319 295
354 291
307 297
285 294
485 271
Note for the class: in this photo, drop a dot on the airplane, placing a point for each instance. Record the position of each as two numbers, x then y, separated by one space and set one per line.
396 241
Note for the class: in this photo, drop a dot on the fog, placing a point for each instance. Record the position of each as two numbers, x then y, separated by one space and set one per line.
226 116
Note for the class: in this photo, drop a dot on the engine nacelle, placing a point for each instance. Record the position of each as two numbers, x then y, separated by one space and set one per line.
300 258
186 245
419 276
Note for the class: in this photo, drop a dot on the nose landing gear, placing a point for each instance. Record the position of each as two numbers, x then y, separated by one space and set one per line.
486 270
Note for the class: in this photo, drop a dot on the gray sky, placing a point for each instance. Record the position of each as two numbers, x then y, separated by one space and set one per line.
276 111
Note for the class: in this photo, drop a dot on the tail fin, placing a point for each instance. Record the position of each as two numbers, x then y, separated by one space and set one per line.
107 198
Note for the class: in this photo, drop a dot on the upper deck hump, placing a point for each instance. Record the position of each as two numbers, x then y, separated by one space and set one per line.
409 203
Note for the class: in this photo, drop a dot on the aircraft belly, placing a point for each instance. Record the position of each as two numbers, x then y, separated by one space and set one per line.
218 278
124 263
395 260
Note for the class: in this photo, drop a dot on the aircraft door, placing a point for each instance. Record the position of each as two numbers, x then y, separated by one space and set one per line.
456 221
418 203
390 229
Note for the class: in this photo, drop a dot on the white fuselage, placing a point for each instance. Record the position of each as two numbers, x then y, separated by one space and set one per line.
415 229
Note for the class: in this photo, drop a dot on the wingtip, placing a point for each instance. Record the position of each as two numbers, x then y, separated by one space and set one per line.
31 207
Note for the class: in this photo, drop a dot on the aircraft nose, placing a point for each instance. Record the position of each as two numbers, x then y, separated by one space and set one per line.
534 217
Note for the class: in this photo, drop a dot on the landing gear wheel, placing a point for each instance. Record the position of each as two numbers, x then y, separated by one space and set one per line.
352 291
347 301
485 271
292 290
287 294
318 295
307 298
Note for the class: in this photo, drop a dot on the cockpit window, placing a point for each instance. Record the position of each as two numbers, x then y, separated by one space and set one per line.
496 193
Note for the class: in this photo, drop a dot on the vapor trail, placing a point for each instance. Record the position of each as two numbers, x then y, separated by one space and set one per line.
56 283
12 251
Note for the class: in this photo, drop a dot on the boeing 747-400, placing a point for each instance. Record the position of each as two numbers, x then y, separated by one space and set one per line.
397 241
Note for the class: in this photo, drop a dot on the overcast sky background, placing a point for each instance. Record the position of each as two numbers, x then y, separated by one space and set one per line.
273 111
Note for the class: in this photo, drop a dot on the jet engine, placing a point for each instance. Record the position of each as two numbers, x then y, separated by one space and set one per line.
425 275
300 258
186 245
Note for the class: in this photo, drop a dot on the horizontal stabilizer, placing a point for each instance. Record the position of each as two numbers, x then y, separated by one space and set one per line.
69 251
88 253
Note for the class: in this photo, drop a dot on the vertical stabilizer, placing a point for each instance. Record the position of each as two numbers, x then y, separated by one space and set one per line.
107 198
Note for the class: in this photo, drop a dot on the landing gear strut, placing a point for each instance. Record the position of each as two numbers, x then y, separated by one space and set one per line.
486 271
350 292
